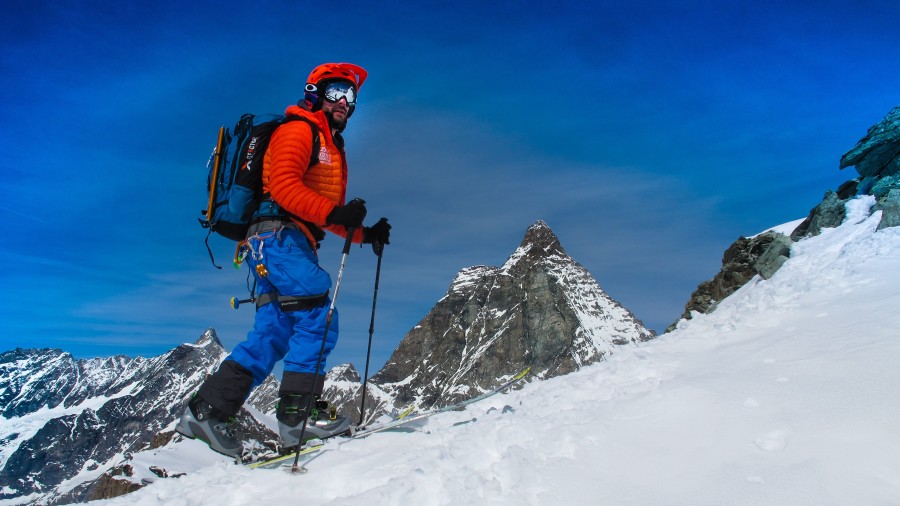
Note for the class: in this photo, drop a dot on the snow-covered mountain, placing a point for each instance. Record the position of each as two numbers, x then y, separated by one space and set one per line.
66 421
541 309
784 394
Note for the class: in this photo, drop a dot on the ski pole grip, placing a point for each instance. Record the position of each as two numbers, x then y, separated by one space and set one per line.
349 241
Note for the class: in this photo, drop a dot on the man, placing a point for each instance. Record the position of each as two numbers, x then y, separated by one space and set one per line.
305 193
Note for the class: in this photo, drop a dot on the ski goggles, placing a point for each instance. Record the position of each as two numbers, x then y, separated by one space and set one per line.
336 90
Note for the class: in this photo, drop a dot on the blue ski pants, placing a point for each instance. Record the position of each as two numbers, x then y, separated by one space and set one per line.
291 268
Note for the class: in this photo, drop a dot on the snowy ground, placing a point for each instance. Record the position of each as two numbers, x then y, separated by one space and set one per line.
788 394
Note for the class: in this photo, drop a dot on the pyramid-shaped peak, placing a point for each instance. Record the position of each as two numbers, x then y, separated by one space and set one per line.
540 236
209 337
539 244
343 372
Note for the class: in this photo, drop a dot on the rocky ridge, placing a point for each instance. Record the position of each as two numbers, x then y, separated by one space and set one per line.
876 158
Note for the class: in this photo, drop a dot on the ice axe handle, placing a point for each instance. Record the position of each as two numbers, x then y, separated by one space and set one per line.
236 303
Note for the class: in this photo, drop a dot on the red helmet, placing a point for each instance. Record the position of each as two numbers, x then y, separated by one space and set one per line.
345 71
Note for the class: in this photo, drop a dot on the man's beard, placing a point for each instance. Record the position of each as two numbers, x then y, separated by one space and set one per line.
335 123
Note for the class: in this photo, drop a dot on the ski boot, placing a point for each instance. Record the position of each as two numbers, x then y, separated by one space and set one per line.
202 421
323 421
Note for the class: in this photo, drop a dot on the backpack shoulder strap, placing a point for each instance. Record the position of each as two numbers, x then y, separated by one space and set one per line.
317 142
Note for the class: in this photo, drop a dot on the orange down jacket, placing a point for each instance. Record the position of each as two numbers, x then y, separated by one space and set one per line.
307 193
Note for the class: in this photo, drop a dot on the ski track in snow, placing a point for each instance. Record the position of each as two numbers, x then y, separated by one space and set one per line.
785 395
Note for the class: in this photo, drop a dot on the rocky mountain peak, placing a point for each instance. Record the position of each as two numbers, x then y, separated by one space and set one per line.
538 245
343 372
540 235
541 310
209 338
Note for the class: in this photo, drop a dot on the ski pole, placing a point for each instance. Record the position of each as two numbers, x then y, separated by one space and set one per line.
337 286
362 406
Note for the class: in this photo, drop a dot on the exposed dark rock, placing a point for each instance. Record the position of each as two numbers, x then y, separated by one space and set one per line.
740 263
878 153
105 487
161 439
877 160
774 256
848 189
162 472
828 214
882 186
890 208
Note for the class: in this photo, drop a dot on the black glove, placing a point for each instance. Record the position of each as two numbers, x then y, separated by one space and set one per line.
350 215
378 235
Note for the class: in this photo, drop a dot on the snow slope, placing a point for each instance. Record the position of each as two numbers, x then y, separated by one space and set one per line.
786 395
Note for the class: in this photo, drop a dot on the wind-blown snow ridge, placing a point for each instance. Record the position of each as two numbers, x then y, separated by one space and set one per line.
784 395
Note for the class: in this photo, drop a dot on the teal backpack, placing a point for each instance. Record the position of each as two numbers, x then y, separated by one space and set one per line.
235 174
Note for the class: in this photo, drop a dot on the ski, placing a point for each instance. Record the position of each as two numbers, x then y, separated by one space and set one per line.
408 419
271 463
398 424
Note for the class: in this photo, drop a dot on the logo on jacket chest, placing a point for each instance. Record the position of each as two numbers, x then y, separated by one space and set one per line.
324 155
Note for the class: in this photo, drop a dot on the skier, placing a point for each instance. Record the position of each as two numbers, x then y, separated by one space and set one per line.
301 201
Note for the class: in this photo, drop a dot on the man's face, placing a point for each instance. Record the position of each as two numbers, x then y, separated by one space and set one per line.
337 113
340 98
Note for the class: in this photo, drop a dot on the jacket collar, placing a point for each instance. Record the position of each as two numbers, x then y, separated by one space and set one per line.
317 117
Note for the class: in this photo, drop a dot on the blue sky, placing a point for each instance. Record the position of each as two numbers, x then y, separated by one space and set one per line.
649 138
